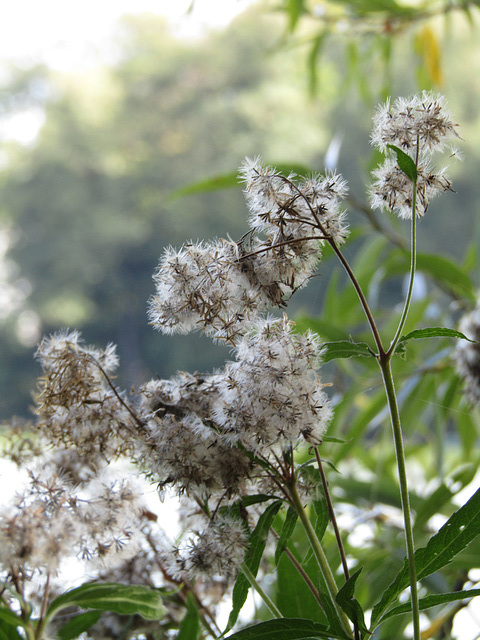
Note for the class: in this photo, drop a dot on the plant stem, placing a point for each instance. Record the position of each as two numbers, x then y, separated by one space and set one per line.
331 513
271 606
413 263
402 477
319 554
301 571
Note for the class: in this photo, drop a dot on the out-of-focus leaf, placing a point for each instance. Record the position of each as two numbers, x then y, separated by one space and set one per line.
433 601
312 62
10 618
285 629
110 596
445 271
429 49
441 269
189 626
434 503
295 8
231 180
78 624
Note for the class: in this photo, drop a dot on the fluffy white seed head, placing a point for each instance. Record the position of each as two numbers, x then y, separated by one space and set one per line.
419 122
392 190
467 355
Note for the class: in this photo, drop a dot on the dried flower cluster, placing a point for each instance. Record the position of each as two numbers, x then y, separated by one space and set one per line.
467 355
220 287
78 406
420 126
51 521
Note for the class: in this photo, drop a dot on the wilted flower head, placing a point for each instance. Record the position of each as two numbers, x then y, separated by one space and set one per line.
77 404
272 396
467 355
204 286
51 521
293 208
217 550
393 190
419 122
179 445
419 126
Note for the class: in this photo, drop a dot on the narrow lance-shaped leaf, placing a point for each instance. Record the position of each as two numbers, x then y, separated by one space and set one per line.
455 535
349 604
286 532
284 629
433 601
110 596
433 332
257 544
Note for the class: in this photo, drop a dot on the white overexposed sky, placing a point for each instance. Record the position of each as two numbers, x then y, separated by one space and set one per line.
66 34
71 36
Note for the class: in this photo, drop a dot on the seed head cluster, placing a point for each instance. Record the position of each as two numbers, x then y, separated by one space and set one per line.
77 405
420 126
467 355
220 287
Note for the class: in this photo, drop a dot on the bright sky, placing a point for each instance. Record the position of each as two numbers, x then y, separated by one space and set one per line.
69 35
66 34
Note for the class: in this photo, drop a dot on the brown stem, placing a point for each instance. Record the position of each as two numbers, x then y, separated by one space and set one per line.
331 513
301 571
281 244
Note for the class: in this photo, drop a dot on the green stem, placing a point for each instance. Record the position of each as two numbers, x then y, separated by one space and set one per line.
402 476
319 554
413 264
271 606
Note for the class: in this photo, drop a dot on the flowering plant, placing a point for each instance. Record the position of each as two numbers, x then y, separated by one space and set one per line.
242 447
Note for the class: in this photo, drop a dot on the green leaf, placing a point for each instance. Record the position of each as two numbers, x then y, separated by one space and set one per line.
349 604
78 624
246 501
214 183
257 542
295 9
8 632
312 62
446 273
405 162
433 601
286 532
11 618
433 332
455 535
190 624
230 181
334 440
345 349
284 629
110 596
